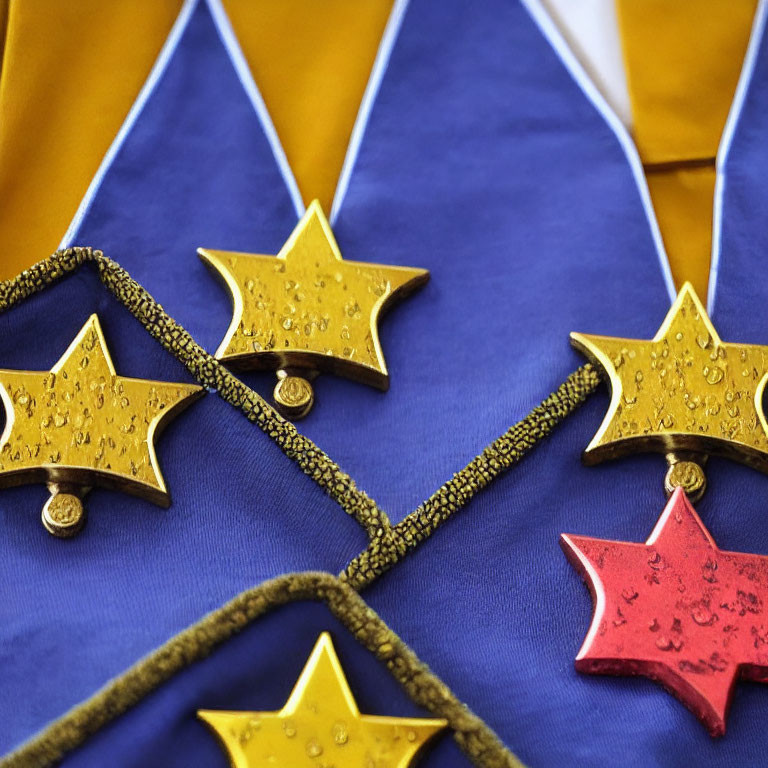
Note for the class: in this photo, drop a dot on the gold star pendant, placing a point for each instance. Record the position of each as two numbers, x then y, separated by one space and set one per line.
80 424
307 310
684 390
320 725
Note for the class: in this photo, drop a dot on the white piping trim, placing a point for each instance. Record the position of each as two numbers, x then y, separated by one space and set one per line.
228 37
158 69
747 71
366 105
582 79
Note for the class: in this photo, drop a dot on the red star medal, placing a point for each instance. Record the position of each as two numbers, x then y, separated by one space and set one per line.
677 610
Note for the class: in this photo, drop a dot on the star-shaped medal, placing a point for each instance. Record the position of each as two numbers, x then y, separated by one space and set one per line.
320 725
677 610
308 310
684 390
80 424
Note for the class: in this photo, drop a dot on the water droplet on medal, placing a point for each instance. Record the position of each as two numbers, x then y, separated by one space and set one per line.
714 375
703 616
313 748
340 734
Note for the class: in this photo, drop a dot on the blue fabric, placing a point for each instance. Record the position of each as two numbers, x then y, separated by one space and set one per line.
76 613
514 610
484 162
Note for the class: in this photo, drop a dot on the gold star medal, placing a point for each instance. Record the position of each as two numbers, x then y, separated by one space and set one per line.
81 424
683 392
320 724
307 310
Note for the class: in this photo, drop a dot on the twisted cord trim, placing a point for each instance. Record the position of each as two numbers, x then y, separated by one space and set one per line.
498 457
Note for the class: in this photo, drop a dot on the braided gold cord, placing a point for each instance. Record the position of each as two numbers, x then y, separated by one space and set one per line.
499 456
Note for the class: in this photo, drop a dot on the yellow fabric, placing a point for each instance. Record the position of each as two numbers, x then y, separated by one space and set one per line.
311 61
682 199
3 28
71 71
683 61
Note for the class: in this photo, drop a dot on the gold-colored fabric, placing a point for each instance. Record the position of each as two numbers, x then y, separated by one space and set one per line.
3 28
682 198
683 60
70 72
311 61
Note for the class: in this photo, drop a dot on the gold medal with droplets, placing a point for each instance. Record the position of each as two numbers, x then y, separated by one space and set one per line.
683 392
320 724
80 424
307 311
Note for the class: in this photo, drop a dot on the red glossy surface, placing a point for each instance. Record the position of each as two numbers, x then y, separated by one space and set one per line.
677 610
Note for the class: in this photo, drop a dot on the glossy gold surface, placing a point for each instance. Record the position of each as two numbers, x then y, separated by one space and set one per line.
683 390
307 307
293 395
80 422
320 725
686 473
63 514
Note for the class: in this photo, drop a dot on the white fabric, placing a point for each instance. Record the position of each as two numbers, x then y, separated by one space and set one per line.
591 29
